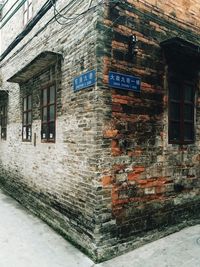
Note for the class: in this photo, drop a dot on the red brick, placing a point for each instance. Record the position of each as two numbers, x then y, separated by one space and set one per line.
106 180
110 133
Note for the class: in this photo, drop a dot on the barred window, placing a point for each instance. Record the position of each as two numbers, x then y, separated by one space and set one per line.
28 11
27 118
48 110
181 111
3 110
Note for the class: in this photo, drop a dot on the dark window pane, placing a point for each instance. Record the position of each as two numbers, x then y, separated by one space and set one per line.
52 130
188 93
188 112
52 94
44 114
3 122
29 102
25 104
174 132
44 131
44 97
188 131
51 113
48 113
29 117
174 91
181 110
175 111
25 118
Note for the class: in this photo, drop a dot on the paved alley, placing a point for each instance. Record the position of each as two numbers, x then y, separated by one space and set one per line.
25 241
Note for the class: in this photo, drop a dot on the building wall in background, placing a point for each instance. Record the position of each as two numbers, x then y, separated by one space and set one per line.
111 181
153 185
55 180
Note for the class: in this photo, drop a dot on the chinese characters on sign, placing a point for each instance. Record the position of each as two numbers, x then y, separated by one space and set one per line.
125 82
85 80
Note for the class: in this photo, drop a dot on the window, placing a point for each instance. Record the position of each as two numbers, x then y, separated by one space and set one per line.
181 112
27 118
3 110
48 109
28 11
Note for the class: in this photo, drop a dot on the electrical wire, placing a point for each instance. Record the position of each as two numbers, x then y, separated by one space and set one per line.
149 6
56 12
166 24
76 17
10 9
4 4
16 9
27 29
69 23
69 5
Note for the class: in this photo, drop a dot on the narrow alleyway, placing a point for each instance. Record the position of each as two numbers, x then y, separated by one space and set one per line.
25 241
181 249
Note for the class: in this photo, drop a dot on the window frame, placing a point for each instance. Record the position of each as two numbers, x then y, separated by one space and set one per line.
28 5
26 112
181 103
4 116
47 106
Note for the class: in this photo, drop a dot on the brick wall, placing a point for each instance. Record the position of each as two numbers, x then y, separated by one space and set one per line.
111 181
55 180
153 185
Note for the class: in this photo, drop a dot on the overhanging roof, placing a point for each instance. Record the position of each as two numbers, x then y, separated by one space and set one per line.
36 66
179 49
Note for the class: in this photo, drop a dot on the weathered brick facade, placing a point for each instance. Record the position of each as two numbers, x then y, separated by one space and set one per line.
111 181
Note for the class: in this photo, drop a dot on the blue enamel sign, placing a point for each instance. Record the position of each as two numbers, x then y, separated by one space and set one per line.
85 80
125 82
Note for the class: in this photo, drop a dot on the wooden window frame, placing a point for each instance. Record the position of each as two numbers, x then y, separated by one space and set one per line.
3 110
26 124
181 102
47 138
27 15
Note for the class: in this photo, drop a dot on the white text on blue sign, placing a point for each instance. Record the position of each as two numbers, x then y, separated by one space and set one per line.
85 80
125 82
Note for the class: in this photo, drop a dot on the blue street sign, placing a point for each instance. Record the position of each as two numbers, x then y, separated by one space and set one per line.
84 80
125 82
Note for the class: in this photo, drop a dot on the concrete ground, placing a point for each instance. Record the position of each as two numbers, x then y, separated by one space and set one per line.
25 241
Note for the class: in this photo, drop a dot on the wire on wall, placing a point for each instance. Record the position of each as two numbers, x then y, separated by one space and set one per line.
70 20
4 5
33 22
7 12
12 14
